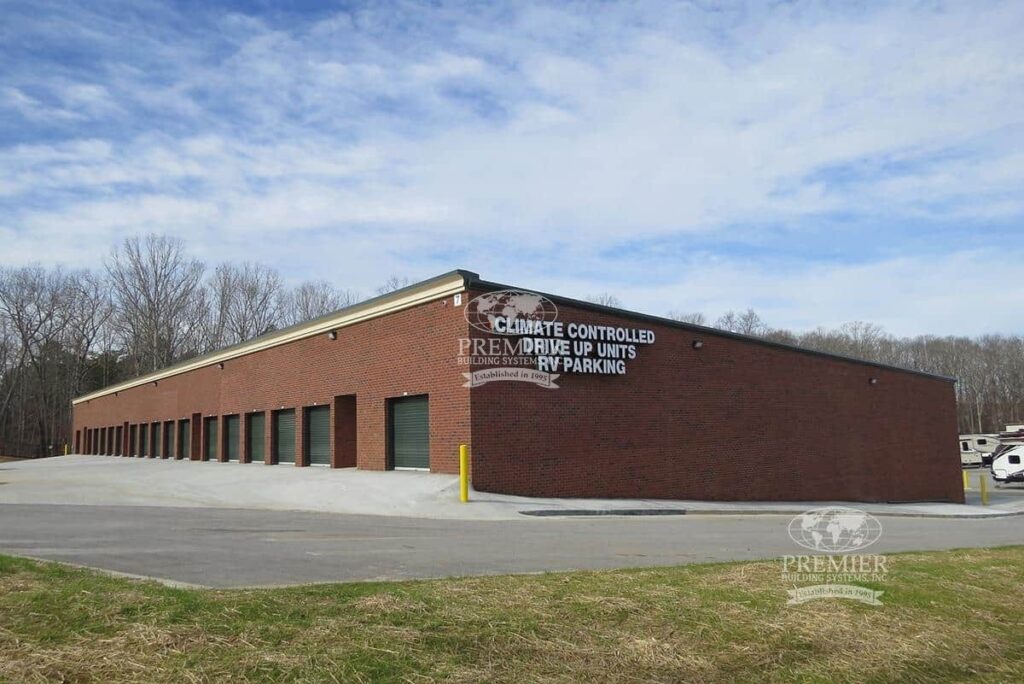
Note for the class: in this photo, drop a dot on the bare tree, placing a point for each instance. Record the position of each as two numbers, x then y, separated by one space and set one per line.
391 284
242 302
605 299
36 302
214 304
8 349
313 299
254 309
12 353
696 318
745 323
90 310
154 285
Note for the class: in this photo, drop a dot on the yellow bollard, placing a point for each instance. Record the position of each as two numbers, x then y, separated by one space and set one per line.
983 485
65 448
463 473
967 480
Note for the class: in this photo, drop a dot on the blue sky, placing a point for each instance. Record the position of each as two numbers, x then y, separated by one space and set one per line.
818 162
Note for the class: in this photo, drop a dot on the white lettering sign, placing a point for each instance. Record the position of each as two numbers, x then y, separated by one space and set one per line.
582 348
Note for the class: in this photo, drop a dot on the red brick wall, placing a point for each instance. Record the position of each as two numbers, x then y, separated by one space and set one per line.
734 420
409 351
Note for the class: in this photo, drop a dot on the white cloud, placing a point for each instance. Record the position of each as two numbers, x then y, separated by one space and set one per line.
402 139
936 294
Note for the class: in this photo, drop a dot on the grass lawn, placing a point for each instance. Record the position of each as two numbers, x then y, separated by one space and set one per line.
946 616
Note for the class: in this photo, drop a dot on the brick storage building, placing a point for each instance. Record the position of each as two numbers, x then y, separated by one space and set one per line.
556 397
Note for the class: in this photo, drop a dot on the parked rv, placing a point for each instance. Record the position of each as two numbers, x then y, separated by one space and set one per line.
1007 466
1008 440
985 444
969 456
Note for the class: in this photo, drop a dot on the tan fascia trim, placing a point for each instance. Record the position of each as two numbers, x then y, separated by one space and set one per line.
414 295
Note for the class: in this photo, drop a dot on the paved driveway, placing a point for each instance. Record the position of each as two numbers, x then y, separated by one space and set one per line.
108 480
220 547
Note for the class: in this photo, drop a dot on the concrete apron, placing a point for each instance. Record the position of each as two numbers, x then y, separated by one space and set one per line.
109 480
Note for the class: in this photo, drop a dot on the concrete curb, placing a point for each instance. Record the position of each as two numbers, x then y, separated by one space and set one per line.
556 513
174 584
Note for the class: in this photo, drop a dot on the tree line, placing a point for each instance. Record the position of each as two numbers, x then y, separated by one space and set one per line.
64 333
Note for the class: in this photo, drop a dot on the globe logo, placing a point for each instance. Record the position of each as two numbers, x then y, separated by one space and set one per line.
835 529
514 305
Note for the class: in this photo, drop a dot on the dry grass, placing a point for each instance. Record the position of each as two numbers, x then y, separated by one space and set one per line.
947 616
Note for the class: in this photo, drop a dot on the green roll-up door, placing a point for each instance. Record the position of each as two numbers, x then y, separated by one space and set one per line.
143 440
318 435
168 431
211 439
256 436
284 436
133 448
184 439
154 440
231 435
410 433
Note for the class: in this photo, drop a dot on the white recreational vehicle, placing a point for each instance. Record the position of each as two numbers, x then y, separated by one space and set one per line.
984 444
1007 466
969 456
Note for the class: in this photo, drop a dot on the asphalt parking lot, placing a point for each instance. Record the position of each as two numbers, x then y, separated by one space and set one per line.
227 525
239 548
998 493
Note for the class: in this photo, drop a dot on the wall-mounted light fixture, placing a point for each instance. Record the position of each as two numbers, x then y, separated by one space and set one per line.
333 335
155 383
221 365
873 381
697 344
